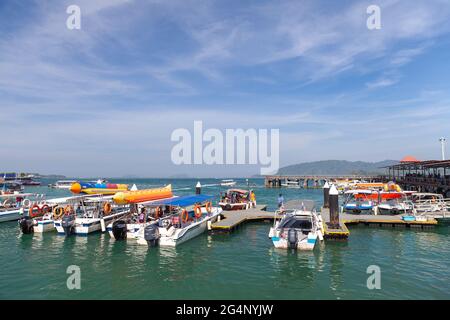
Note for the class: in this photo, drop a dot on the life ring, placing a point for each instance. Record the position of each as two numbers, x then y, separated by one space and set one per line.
184 216
107 208
208 207
68 209
158 212
32 209
45 209
58 212
198 212
26 203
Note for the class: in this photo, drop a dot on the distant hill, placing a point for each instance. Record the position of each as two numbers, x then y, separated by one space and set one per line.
336 167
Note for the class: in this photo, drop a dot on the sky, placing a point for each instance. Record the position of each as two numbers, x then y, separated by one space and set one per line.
103 100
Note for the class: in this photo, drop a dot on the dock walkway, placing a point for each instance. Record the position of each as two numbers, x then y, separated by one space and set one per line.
232 219
379 220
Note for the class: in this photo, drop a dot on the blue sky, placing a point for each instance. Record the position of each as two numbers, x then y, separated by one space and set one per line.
103 100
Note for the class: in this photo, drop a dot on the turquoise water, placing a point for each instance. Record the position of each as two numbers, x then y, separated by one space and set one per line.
241 265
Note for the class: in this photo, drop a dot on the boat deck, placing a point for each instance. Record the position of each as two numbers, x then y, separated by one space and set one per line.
232 219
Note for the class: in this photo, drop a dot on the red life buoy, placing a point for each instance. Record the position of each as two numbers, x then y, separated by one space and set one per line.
33 208
45 209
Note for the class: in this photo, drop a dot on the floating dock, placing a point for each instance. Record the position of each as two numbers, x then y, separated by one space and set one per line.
231 220
394 221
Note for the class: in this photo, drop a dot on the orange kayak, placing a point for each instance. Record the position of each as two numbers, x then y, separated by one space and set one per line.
129 197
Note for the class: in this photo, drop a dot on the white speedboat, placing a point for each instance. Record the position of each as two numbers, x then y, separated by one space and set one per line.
192 216
40 218
63 184
90 214
291 184
15 205
300 228
228 183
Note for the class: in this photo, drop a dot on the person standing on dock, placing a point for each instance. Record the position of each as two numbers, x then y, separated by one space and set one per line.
280 201
253 199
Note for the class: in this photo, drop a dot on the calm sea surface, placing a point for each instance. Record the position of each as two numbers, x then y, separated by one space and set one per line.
241 265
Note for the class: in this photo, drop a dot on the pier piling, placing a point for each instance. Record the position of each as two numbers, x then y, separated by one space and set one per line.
326 195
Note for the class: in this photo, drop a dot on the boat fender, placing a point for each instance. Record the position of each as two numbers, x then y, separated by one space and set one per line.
198 212
26 225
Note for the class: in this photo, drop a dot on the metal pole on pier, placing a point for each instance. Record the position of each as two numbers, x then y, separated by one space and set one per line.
443 140
334 207
198 188
326 195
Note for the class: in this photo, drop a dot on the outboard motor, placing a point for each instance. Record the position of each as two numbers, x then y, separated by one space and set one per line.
151 235
119 230
26 225
68 224
292 238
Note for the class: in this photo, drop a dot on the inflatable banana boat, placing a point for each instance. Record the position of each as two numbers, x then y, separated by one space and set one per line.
128 197
97 188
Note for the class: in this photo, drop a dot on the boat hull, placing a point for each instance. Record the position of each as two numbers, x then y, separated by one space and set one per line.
84 226
11 215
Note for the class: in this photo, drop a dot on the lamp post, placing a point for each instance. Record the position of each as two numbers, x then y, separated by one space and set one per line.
443 140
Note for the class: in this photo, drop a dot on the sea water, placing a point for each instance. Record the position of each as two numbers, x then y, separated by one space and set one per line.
241 265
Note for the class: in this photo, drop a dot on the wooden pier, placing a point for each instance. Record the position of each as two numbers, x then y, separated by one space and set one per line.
231 220
312 181
394 221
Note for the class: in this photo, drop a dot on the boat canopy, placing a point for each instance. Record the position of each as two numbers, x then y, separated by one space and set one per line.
360 192
238 191
183 201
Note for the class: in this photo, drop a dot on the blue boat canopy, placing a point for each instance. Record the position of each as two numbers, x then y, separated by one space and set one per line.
183 201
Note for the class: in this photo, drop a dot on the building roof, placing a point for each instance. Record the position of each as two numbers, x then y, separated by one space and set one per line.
408 159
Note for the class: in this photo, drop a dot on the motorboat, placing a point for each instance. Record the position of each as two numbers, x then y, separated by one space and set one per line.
396 204
63 184
40 218
227 183
14 204
300 228
192 215
291 184
235 199
132 225
359 201
89 214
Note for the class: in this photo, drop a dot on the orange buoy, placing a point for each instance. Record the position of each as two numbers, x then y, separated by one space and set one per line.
58 212
198 211
184 216
107 208
208 207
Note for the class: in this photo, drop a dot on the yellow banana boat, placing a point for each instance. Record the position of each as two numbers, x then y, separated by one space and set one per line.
128 197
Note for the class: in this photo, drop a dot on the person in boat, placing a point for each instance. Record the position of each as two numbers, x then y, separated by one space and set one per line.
280 201
142 215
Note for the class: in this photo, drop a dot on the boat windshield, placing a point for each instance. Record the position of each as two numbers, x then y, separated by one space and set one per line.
303 223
